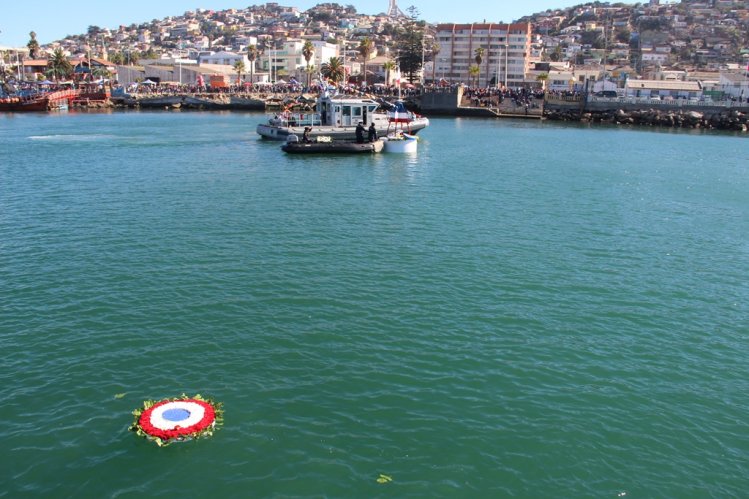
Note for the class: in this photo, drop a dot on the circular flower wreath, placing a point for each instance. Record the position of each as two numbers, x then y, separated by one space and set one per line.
177 419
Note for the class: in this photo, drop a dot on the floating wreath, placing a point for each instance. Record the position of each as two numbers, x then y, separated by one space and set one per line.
177 419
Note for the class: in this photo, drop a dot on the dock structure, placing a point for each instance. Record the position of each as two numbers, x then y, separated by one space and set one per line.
451 102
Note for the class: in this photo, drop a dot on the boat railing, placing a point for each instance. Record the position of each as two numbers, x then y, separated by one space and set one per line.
297 119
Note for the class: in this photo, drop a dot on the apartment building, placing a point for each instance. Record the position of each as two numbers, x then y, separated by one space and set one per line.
289 59
507 49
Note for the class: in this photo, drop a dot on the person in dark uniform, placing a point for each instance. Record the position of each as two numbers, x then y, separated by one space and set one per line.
372 133
360 133
305 135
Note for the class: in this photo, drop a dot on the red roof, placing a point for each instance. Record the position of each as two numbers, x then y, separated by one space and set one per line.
35 62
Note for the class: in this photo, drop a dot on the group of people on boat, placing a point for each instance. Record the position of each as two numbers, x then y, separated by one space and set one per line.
371 133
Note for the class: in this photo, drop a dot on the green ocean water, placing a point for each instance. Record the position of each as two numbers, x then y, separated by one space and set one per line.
522 309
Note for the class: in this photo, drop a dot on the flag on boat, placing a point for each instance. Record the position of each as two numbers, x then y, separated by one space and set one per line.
399 113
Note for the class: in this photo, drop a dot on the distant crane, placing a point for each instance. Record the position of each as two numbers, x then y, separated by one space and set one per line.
394 11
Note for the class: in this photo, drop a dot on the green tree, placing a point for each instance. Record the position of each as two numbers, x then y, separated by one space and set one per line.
543 78
58 66
389 67
118 58
210 30
100 72
435 50
252 56
474 72
623 35
411 45
240 68
366 47
479 57
33 46
556 54
308 51
333 69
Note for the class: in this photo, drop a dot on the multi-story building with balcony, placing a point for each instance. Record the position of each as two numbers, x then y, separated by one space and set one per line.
506 56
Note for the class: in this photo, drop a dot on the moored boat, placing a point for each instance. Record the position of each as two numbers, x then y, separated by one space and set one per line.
337 117
332 147
401 143
38 101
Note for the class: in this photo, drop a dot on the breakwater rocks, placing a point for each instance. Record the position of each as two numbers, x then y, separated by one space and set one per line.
92 104
719 120
192 101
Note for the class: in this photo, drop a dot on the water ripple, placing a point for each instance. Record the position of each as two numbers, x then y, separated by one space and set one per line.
498 321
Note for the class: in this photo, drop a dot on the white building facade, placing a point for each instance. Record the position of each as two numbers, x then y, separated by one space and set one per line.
505 62
224 58
289 61
735 84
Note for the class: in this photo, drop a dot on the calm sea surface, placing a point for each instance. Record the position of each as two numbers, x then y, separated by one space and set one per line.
521 310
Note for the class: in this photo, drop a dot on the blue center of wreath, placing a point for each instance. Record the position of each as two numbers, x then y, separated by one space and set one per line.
175 415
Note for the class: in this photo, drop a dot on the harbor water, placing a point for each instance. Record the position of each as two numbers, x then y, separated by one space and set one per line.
521 309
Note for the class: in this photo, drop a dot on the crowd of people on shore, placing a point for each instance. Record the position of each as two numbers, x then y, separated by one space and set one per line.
267 90
496 97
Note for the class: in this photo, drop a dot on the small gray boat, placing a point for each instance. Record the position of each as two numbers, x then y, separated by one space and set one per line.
332 147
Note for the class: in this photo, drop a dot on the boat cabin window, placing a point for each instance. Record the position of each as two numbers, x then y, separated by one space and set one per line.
357 112
346 117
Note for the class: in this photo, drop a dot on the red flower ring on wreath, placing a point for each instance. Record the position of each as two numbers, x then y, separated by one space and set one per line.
177 419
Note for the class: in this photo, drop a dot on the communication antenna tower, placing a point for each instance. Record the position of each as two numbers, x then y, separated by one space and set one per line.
394 11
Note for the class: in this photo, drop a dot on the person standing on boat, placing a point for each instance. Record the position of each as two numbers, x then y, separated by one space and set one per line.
360 133
305 135
372 133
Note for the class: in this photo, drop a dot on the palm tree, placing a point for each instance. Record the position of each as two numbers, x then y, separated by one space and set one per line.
388 66
310 71
435 50
100 72
366 47
308 50
543 78
33 46
59 66
333 69
479 57
474 71
239 67
252 55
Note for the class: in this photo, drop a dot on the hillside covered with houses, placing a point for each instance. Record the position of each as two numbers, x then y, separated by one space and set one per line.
561 49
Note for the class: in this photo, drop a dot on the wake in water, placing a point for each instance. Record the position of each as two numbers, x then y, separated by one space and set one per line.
72 138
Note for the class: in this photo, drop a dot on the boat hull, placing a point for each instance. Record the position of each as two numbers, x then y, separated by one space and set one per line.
280 132
27 106
38 103
406 144
333 147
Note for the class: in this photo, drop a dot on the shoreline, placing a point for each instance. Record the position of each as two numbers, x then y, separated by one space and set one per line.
713 117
